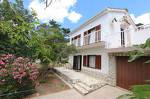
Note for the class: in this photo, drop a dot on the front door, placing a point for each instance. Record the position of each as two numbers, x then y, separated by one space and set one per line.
77 60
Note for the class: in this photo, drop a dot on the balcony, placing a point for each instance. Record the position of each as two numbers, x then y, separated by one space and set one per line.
92 40
77 42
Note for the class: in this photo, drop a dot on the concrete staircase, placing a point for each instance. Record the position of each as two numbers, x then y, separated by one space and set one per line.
84 88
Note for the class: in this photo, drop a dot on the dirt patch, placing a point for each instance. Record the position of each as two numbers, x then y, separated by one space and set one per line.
52 85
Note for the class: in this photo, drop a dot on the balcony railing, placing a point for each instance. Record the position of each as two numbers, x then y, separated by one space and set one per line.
143 27
77 42
92 38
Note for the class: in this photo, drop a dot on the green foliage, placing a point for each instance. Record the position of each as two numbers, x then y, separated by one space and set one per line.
53 47
139 24
141 91
16 28
42 81
138 92
22 35
142 50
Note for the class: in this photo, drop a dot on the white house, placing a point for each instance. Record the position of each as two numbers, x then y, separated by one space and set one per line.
101 43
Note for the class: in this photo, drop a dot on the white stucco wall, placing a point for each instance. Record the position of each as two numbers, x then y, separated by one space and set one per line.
113 37
139 37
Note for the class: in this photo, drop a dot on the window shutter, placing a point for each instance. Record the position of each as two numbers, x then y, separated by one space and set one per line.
86 60
98 62
98 27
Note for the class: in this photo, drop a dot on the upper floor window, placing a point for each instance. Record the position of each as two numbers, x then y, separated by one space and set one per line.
98 33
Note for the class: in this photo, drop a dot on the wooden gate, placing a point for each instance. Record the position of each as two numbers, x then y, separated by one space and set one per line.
134 73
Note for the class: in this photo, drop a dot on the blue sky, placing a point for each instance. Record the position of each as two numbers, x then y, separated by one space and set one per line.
89 8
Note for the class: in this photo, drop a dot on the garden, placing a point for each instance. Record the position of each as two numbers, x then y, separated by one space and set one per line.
23 41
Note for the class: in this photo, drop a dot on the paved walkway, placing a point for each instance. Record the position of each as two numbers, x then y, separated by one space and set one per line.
80 81
106 92
73 75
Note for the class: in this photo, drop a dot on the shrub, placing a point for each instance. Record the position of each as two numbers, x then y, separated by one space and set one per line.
138 92
17 74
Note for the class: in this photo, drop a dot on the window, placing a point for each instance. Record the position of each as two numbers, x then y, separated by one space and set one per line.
92 61
98 33
122 37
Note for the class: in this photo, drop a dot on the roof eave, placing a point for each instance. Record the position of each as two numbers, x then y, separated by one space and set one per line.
95 17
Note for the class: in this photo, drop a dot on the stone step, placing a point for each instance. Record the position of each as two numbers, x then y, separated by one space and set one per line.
80 89
84 86
96 86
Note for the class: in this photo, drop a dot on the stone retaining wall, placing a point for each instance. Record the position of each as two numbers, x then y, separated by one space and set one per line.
109 78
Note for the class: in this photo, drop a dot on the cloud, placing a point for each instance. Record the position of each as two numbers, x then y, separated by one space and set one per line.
74 17
144 18
58 10
1 1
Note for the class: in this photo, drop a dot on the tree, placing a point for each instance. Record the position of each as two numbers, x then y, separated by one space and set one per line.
53 36
16 28
21 34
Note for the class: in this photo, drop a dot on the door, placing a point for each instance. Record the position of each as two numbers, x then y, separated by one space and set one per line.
134 73
77 60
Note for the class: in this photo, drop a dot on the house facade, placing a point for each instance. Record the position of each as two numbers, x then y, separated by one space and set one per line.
101 44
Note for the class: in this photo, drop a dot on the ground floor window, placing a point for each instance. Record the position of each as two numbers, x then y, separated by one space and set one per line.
92 61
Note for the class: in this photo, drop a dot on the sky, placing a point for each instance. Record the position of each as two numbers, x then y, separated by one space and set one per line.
72 13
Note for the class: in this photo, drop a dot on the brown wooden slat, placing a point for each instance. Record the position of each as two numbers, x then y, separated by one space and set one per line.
133 73
98 27
98 62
